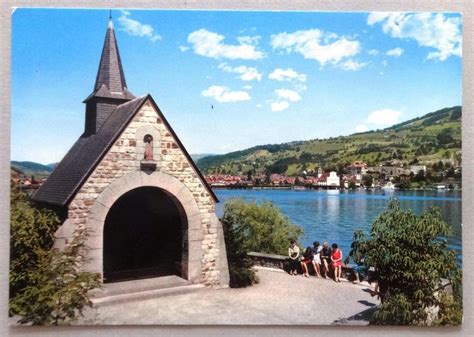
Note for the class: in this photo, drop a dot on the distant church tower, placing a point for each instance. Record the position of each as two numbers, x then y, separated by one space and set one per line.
131 183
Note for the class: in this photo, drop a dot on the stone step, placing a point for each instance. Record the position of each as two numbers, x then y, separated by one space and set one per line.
121 292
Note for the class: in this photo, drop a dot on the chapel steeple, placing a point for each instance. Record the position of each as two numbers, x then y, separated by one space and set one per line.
110 88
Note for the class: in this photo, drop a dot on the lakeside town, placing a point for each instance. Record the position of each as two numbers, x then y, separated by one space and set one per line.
390 175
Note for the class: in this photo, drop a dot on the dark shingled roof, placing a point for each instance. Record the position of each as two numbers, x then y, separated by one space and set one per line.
73 170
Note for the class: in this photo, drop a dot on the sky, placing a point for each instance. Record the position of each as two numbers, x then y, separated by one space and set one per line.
229 80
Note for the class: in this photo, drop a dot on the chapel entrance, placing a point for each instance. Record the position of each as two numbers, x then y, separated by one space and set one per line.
144 236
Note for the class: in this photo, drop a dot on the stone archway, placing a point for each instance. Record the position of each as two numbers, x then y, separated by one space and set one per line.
144 236
192 237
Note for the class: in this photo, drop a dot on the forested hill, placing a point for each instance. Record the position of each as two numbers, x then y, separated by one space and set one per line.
31 168
432 137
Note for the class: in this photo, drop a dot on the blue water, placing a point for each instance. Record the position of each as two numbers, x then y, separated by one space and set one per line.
333 215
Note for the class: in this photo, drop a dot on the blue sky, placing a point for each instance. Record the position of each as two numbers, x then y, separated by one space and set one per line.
228 80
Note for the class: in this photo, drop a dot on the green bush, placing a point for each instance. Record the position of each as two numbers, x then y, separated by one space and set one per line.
411 260
253 227
31 233
46 285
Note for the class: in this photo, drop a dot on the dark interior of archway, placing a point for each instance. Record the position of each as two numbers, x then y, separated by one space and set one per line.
143 236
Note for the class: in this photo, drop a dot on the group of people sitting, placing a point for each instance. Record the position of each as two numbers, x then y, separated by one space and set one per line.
321 257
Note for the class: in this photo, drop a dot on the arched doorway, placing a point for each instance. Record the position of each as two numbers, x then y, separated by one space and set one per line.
144 236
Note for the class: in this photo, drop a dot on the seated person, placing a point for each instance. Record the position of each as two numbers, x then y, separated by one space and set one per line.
336 262
293 253
306 259
325 258
360 270
317 258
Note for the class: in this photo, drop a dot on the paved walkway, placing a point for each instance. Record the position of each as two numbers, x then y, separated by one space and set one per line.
278 299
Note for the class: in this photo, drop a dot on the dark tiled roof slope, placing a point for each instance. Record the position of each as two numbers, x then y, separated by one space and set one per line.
76 166
84 155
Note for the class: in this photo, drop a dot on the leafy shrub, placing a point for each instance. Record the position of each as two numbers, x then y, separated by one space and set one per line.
31 233
46 285
411 261
253 227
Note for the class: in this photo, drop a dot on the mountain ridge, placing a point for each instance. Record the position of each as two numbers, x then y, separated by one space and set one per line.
425 139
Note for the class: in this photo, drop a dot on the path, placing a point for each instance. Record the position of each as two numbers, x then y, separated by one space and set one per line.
277 299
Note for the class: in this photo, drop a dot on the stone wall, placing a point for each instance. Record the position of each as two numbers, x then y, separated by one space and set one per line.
282 262
122 162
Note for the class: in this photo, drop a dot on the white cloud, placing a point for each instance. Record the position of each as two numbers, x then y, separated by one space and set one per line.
183 48
136 28
375 17
288 95
384 63
285 96
209 44
252 40
286 75
433 30
362 128
352 65
279 106
316 45
384 117
247 87
395 52
373 52
224 95
246 73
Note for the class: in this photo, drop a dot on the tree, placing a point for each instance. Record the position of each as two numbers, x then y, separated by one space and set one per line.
57 291
31 233
440 165
249 175
367 180
444 137
46 285
254 227
411 260
420 176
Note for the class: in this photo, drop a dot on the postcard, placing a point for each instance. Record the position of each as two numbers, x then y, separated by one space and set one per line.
184 167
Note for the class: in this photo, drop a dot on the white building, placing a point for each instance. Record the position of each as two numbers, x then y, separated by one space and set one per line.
415 169
333 179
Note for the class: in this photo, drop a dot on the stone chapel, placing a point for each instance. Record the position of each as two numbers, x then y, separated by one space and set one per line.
130 182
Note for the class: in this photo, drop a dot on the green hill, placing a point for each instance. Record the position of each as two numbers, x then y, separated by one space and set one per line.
427 139
29 168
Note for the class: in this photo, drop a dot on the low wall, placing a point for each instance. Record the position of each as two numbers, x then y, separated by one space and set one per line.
281 262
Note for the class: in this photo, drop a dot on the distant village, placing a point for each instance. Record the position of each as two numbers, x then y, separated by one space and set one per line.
25 183
441 175
357 175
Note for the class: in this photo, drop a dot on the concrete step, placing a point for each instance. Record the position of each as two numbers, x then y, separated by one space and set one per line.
121 292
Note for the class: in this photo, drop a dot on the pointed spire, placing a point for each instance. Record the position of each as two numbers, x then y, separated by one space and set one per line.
111 24
110 88
110 71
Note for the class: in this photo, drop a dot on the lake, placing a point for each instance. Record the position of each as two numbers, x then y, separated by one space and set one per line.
333 215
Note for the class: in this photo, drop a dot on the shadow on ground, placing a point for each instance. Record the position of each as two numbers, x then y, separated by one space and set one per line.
362 318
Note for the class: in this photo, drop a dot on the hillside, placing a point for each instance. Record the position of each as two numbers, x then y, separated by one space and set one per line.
198 156
29 168
427 139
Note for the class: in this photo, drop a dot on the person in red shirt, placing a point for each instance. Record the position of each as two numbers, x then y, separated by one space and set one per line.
336 260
